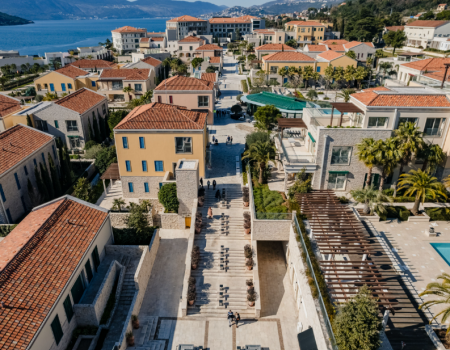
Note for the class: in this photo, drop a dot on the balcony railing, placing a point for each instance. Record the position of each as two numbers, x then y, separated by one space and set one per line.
297 159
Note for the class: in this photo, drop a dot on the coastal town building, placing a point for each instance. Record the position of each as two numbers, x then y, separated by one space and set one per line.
362 50
95 66
9 106
22 148
152 45
148 63
208 51
94 52
187 46
267 36
307 32
126 39
180 27
421 33
267 49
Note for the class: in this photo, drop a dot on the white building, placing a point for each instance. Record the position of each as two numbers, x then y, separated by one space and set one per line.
97 52
421 33
126 39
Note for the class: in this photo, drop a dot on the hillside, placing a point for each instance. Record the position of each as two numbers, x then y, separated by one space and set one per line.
87 9
7 20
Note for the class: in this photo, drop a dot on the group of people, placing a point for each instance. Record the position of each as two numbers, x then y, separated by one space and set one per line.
233 317
222 113
208 183
229 139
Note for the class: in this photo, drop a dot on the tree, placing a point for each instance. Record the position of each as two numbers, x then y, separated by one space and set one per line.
258 79
115 118
307 74
357 325
385 66
117 204
372 199
387 156
211 69
365 153
292 43
422 185
338 73
447 182
329 72
266 117
90 132
128 90
102 122
427 15
360 75
312 94
35 198
345 94
42 188
82 189
395 39
137 219
349 74
238 33
105 158
47 181
255 137
251 57
351 54
315 78
443 16
66 165
196 62
283 72
181 69
29 123
261 153
167 196
97 136
432 156
54 176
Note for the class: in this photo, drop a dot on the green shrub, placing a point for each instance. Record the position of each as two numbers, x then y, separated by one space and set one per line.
130 236
244 178
268 203
89 144
320 93
343 200
249 82
438 214
256 136
244 86
92 152
104 158
6 229
388 191
167 196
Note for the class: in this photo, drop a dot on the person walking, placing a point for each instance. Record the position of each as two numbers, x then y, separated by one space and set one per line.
213 139
214 184
231 139
208 183
230 318
237 318
218 195
201 181
210 214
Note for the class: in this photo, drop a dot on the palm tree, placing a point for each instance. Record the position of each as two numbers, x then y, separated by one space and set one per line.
13 67
385 66
372 199
128 90
339 73
422 185
366 154
261 153
447 182
315 77
440 290
360 74
291 73
432 156
311 94
117 204
307 74
329 72
349 74
345 94
387 155
89 57
283 72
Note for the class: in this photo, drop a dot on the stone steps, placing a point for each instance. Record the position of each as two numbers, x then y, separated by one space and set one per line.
200 273
148 326
152 345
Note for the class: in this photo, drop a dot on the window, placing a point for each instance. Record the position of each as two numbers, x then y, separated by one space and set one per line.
128 165
25 169
77 290
41 125
144 165
377 122
75 141
406 120
52 87
180 48
88 270
2 194
318 69
183 145
34 161
117 85
130 187
69 86
434 126
146 188
17 181
203 101
159 165
57 330
68 308
43 157
336 181
141 142
170 99
56 124
341 155
137 87
95 258
63 87
273 69
190 48
159 99
8 214
125 142
54 152
71 125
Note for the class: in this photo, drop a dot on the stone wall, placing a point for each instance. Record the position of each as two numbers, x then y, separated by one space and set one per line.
119 219
138 186
187 186
172 221
256 284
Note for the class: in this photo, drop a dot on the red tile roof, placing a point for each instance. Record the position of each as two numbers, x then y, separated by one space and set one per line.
274 47
88 64
378 88
371 98
305 23
71 71
356 43
181 83
428 64
395 28
209 77
126 74
186 19
288 56
337 48
128 29
427 24
37 262
242 19
164 117
190 39
209 47
19 142
8 105
152 61
316 48
145 40
329 55
334 42
157 38
214 60
81 100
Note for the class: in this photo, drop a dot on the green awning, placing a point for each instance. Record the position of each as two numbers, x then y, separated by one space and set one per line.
343 172
311 137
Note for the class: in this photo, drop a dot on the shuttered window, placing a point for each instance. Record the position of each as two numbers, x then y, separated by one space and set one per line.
68 308
57 330
77 290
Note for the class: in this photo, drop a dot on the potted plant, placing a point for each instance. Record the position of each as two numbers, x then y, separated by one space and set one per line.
246 199
130 338
192 282
249 284
247 216
198 227
248 252
249 264
251 298
195 257
135 321
247 227
191 297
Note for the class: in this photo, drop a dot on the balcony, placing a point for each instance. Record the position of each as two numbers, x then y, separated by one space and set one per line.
321 117
294 151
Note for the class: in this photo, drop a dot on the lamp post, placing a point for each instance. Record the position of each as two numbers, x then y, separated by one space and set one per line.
445 74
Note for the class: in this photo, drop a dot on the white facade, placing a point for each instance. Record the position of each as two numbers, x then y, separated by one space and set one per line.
423 36
97 52
127 41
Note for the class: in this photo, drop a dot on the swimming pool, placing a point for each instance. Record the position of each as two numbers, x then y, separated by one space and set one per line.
443 250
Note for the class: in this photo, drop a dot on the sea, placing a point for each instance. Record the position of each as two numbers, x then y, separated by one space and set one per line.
63 35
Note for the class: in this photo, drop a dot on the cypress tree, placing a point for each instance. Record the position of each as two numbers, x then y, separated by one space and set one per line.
66 164
90 133
29 123
40 185
342 27
34 197
54 175
97 136
47 181
107 129
103 127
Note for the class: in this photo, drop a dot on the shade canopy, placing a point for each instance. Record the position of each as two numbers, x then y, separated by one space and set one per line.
285 123
345 107
111 173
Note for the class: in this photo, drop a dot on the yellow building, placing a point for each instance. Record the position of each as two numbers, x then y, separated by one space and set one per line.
152 139
9 107
336 59
306 32
66 80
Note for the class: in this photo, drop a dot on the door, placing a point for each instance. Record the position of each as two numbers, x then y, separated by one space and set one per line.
95 258
88 270
187 221
77 290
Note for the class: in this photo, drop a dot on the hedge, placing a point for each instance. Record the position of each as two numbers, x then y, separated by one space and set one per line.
249 83
395 212
129 236
244 86
438 214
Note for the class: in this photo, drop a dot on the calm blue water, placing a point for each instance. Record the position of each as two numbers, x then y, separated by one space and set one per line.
50 36
444 250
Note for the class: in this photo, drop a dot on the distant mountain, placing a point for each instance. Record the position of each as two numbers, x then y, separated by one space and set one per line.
7 20
88 9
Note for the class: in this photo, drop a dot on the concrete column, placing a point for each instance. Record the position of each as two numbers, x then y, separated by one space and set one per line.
187 184
385 319
104 186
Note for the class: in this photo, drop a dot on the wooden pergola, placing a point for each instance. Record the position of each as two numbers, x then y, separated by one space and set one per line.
111 173
341 240
343 107
286 123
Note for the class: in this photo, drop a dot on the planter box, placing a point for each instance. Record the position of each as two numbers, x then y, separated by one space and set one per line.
434 338
372 218
423 218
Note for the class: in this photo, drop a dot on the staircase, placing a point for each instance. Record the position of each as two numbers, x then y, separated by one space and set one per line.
147 331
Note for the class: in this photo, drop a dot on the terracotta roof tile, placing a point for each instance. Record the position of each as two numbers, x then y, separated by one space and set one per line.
337 48
214 60
81 100
395 28
34 279
99 64
209 47
371 98
329 55
356 43
316 48
157 39
190 39
378 88
209 77
8 105
179 82
288 56
19 142
126 74
152 61
242 19
71 71
334 42
274 47
428 64
164 117
145 40
305 23
186 19
428 24
128 29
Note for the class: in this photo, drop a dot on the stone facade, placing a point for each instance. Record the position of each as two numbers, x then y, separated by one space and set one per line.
329 138
187 184
138 186
172 221
119 219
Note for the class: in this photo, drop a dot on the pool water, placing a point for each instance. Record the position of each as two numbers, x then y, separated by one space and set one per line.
443 250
